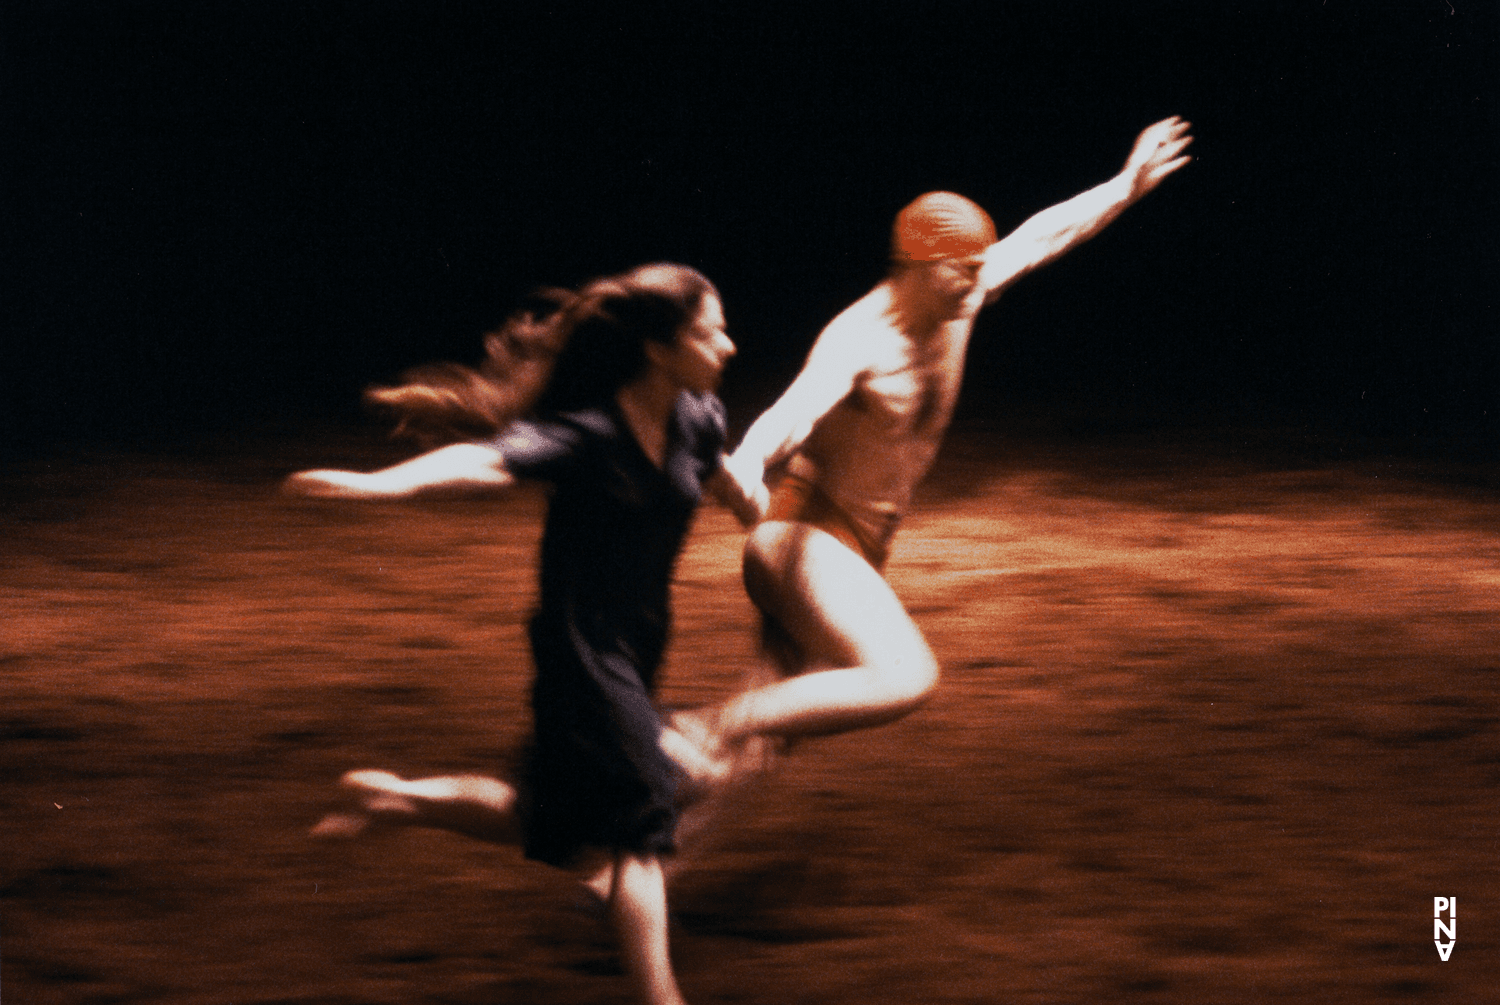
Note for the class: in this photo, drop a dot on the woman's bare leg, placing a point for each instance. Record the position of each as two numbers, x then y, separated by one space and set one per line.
638 910
709 804
866 659
473 805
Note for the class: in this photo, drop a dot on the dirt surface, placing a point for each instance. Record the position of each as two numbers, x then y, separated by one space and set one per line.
1210 730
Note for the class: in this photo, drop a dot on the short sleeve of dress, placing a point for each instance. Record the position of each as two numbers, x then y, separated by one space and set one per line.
539 449
710 429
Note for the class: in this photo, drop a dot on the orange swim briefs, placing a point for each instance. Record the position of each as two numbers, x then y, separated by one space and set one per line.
797 500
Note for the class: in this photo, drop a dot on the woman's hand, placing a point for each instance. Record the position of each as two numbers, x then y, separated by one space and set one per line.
328 484
458 469
746 498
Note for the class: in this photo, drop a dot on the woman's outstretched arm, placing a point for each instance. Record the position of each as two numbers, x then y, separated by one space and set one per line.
462 468
747 502
1055 231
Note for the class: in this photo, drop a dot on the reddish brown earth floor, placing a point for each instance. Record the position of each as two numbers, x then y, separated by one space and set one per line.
1211 730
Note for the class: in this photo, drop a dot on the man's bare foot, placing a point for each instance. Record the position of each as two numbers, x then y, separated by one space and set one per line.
692 739
700 726
704 773
599 885
712 766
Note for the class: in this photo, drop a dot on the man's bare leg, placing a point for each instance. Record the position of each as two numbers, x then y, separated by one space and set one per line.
865 661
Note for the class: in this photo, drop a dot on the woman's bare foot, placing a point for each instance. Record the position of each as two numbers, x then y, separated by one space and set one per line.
341 826
379 799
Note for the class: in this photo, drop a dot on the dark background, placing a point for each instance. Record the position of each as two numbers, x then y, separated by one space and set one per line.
219 216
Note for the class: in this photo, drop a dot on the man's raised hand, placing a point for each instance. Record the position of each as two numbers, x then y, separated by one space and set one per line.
1158 152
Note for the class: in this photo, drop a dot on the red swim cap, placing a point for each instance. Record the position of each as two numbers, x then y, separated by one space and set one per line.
940 225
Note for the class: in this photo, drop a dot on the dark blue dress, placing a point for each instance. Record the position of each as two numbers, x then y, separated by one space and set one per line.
595 776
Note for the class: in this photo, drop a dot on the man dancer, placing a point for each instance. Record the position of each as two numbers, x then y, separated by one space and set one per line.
846 444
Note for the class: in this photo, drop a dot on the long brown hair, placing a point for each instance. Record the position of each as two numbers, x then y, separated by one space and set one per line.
561 350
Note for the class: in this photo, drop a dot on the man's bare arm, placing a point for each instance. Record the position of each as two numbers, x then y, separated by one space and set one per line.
1057 230
832 367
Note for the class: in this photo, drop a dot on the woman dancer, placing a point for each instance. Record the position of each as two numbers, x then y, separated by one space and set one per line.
629 434
848 441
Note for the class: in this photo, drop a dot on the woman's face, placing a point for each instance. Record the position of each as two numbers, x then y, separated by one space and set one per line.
696 361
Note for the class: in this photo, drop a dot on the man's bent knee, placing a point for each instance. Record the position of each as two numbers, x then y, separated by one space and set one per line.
908 682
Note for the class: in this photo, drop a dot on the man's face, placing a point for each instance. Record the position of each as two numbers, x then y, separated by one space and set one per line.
951 278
